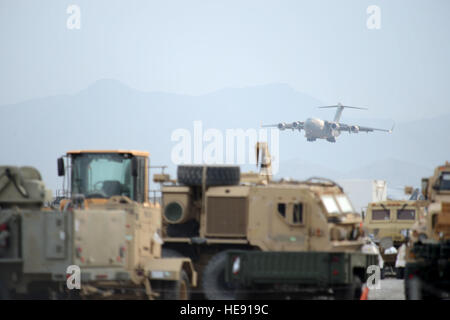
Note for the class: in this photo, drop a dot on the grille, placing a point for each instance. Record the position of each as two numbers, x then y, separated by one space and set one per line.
227 217
446 207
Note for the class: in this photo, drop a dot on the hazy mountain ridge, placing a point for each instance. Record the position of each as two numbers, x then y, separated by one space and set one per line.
396 172
111 115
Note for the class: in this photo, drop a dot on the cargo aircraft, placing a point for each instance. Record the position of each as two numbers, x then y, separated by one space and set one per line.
322 129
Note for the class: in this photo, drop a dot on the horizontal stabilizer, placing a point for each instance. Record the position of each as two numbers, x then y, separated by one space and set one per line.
339 110
338 106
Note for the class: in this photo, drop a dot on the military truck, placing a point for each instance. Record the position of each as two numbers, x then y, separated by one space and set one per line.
427 272
388 223
214 209
107 230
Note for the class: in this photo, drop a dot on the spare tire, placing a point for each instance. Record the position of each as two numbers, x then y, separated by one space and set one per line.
215 175
213 282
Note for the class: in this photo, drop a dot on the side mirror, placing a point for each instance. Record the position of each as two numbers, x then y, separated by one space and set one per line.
134 167
425 182
61 169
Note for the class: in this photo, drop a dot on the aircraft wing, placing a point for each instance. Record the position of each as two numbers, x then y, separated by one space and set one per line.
296 125
356 129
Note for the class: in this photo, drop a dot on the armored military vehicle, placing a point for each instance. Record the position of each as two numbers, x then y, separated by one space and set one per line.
388 223
107 231
212 210
427 272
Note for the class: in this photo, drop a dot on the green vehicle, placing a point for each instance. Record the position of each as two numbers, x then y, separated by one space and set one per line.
292 274
432 267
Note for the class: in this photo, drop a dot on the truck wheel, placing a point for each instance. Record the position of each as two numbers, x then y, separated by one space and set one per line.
213 282
406 287
352 291
215 175
177 290
4 293
357 288
400 273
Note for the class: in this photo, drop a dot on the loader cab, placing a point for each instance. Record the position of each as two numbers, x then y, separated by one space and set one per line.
104 174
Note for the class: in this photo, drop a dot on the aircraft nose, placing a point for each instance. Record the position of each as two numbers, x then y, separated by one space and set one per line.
309 123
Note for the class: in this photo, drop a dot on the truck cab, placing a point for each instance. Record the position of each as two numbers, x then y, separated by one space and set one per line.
97 175
392 219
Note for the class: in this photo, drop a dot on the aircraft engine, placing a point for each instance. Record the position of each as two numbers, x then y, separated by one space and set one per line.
296 125
334 125
282 126
354 129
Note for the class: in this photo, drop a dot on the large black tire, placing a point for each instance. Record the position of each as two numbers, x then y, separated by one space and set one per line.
4 293
406 288
177 290
382 273
215 175
400 273
213 282
352 291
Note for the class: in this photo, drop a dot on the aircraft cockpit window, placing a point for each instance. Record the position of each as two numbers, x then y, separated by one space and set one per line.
330 204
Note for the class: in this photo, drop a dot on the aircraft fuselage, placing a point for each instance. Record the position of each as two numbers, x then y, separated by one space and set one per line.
318 129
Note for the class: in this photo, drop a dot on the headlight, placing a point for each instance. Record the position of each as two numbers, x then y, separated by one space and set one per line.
236 265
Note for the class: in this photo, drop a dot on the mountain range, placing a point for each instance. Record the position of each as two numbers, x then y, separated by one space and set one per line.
111 115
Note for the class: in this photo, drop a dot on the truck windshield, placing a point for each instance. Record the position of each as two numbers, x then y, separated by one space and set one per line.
406 214
445 181
344 203
98 175
330 204
381 214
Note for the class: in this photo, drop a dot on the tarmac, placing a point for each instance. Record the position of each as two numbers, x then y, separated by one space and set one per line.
390 289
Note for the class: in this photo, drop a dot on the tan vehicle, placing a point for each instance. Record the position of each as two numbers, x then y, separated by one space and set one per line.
107 229
387 219
389 223
436 190
428 256
212 210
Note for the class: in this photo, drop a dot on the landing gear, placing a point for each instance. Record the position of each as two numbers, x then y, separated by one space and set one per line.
311 139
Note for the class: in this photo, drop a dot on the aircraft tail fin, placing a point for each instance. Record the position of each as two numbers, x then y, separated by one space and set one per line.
339 110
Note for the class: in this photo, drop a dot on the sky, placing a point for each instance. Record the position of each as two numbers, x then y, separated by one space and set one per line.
321 48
